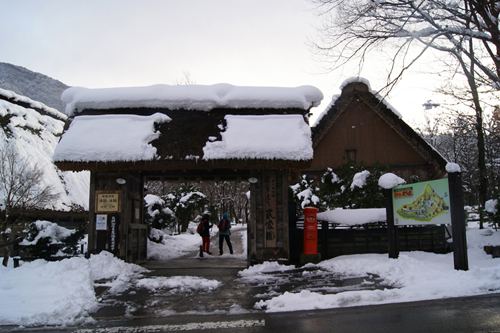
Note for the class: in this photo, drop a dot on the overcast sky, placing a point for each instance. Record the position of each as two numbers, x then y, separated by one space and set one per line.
117 43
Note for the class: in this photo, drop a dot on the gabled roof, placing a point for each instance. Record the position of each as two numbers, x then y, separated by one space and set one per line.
355 90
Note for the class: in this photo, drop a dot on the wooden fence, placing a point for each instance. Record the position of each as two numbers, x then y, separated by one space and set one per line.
335 241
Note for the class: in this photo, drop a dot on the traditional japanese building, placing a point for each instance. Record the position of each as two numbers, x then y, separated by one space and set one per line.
359 126
125 135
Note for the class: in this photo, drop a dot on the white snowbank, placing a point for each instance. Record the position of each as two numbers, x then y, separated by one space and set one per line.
191 97
105 138
58 293
414 276
285 137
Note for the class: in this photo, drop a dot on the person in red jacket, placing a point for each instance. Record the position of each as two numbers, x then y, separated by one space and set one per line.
205 233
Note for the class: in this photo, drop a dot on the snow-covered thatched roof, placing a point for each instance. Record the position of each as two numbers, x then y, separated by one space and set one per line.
191 97
163 127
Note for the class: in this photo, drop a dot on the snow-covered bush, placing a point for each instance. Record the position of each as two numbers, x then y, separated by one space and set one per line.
306 194
47 239
492 209
185 201
158 217
352 187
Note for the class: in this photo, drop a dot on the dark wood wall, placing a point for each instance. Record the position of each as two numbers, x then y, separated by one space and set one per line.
363 130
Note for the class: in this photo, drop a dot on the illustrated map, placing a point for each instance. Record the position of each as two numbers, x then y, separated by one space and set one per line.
425 207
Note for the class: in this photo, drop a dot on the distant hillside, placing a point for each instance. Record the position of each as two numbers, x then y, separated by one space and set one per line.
33 129
36 86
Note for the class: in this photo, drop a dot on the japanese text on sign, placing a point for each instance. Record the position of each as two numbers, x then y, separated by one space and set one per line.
270 209
403 192
108 202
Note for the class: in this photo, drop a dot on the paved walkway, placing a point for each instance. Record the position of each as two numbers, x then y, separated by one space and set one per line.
236 295
230 297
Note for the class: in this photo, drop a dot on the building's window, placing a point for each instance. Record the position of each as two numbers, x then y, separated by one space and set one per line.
351 155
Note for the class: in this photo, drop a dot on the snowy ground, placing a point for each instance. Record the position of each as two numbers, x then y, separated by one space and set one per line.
62 293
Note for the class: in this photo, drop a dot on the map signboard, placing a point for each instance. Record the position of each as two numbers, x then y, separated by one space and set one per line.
422 203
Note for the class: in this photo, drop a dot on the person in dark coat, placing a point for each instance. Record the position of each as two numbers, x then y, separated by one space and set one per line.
205 233
224 232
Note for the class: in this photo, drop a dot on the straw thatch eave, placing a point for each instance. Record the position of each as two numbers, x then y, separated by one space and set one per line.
168 165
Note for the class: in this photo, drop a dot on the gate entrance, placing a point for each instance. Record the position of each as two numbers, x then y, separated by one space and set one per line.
123 135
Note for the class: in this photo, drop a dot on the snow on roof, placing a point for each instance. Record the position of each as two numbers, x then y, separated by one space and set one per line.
191 97
34 104
353 216
103 138
286 137
354 80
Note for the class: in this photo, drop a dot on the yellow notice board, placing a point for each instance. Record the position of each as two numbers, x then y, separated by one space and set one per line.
107 201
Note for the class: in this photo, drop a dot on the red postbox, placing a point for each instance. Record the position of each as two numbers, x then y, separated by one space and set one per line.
310 230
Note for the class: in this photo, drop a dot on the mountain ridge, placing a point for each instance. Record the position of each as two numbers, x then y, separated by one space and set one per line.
36 86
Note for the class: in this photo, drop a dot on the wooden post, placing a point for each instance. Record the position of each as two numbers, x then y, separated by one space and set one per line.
324 229
392 230
458 221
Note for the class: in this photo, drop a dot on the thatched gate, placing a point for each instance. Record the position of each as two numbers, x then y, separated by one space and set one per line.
249 133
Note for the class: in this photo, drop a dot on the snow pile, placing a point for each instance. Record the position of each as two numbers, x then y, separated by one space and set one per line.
359 179
354 216
414 276
105 138
173 246
452 167
179 284
61 293
390 180
285 137
58 293
191 97
34 137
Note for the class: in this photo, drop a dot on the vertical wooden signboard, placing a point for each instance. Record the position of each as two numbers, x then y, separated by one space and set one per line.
269 191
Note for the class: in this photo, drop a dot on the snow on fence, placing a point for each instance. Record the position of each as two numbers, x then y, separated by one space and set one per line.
339 234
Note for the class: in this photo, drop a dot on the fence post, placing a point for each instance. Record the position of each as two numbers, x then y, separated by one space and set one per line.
324 228
392 230
458 221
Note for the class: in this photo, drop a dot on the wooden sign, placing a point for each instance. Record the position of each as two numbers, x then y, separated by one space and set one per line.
269 191
107 201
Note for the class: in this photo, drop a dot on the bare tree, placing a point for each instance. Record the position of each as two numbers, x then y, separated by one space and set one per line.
21 190
465 31
186 80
